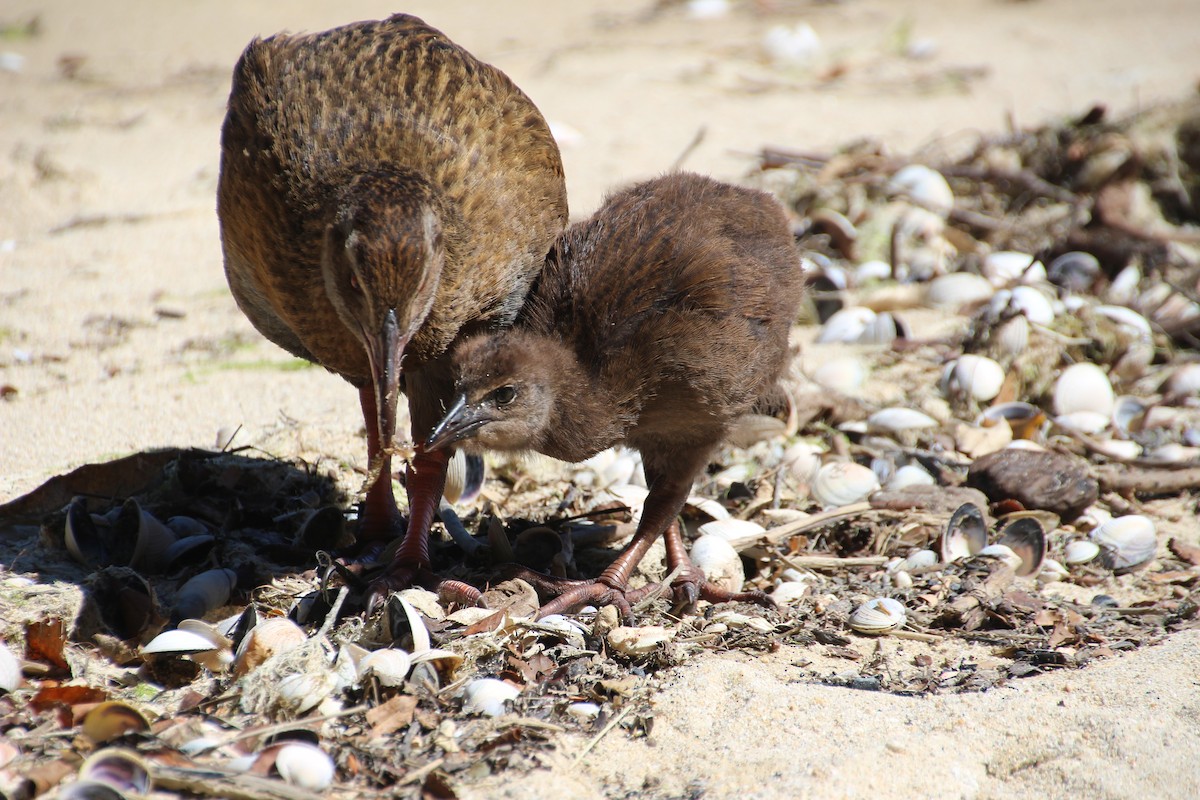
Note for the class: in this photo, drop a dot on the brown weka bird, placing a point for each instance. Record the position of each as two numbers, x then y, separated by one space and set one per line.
655 323
383 193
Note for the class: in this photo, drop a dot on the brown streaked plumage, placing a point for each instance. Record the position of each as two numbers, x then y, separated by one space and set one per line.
382 193
654 323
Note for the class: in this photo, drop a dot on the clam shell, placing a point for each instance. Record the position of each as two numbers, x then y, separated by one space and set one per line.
403 620
1074 271
1184 380
1024 300
900 420
1123 288
739 533
10 670
203 593
1083 387
119 768
848 326
918 559
389 666
840 483
268 638
719 561
1012 336
464 478
189 550
1024 419
845 375
1126 542
1080 551
151 539
583 711
910 475
973 376
1127 318
111 719
1002 552
869 271
1082 421
323 528
199 641
958 289
83 539
1027 539
925 186
1128 414
305 765
488 696
1006 267
965 534
789 592
303 691
878 616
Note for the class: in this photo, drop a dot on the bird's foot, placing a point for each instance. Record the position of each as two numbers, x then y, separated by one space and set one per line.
570 595
690 586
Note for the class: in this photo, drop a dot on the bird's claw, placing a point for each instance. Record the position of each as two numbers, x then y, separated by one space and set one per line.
690 586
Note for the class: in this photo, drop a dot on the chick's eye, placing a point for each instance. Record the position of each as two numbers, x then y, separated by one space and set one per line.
354 284
504 395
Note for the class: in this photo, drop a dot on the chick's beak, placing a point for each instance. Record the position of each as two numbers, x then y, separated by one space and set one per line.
460 422
385 352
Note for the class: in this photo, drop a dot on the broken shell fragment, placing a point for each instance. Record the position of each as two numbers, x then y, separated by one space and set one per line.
1006 267
840 483
965 533
488 696
10 670
900 420
1080 551
1003 553
910 475
1126 542
845 375
1026 538
305 765
919 559
878 616
958 289
638 641
925 186
268 638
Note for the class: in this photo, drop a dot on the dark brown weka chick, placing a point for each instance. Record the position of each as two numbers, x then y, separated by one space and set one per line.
382 194
655 323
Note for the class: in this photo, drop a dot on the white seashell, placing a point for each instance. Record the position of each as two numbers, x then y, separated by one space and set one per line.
792 45
1052 571
789 592
442 660
416 624
925 186
708 506
803 460
739 533
634 497
488 696
845 375
901 579
1134 322
918 559
872 271
910 475
965 533
841 483
1027 301
305 765
1123 289
1006 267
708 9
10 670
1173 453
1127 415
958 289
1024 444
1119 449
1083 387
719 561
1013 335
1026 539
205 645
974 376
1126 542
1080 551
1185 380
583 711
389 666
1074 271
847 326
1082 421
611 467
878 616
1002 552
121 770
303 691
269 637
899 420
424 601
638 641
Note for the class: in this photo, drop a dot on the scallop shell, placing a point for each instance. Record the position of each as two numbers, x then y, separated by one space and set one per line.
1080 551
1027 539
305 765
878 616
1012 336
389 666
1083 387
965 533
1126 542
840 483
719 561
1006 267
977 377
925 186
488 696
958 289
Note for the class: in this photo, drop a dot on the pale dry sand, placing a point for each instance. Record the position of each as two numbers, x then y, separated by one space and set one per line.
124 156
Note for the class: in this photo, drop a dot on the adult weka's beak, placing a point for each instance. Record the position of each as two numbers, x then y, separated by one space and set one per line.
385 352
